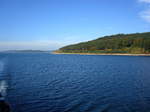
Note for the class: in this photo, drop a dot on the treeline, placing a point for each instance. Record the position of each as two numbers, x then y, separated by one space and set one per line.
120 43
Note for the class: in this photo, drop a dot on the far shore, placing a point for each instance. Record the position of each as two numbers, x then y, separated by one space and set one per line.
119 54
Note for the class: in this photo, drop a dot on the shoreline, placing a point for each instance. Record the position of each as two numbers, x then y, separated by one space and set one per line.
114 54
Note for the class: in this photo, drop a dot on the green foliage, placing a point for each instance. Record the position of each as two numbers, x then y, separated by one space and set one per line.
120 43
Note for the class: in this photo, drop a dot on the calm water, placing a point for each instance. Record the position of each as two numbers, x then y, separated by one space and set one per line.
35 82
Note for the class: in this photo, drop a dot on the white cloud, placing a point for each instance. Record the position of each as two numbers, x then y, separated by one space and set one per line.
146 15
144 1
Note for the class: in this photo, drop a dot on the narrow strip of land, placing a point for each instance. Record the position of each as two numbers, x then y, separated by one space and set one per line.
121 54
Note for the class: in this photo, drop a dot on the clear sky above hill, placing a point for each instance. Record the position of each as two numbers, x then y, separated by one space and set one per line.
50 24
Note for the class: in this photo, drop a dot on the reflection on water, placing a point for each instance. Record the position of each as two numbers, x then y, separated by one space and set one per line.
3 87
4 78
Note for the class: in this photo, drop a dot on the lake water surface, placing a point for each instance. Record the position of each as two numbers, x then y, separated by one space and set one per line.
42 82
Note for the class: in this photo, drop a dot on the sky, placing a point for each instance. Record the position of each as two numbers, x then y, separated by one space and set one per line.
51 24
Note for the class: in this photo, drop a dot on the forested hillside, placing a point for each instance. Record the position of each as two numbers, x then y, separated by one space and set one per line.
120 43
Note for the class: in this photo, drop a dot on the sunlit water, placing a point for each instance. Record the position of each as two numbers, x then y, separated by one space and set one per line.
36 82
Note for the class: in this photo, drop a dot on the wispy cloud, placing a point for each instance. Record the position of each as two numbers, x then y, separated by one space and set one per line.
38 44
146 13
146 1
32 45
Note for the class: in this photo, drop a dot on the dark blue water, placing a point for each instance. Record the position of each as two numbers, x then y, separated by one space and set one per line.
36 82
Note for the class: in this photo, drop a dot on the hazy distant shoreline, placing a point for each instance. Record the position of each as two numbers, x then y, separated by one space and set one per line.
117 54
24 51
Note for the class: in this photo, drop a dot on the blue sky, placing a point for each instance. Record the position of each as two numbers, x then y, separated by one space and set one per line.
50 24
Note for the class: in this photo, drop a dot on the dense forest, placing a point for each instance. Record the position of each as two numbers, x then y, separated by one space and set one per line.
121 43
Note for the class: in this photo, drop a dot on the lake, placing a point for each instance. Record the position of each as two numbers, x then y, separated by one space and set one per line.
43 82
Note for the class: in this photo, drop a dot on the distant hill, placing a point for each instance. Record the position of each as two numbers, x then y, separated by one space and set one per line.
136 43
